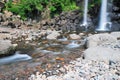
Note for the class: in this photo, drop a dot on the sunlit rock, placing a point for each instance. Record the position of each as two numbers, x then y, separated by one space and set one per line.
102 53
6 47
74 36
98 39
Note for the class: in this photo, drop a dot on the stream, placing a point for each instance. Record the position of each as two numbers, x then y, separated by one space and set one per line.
46 52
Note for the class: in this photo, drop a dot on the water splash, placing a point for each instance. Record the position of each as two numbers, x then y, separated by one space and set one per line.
104 24
73 44
63 39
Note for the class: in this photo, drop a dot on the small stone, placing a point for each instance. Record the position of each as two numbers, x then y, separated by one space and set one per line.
81 34
118 68
58 66
62 70
43 77
65 42
54 72
74 36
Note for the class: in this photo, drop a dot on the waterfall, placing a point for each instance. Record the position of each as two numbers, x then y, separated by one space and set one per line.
104 24
85 13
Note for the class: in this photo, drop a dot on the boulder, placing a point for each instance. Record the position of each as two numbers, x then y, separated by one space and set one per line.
100 39
74 36
6 47
53 35
103 46
102 54
116 34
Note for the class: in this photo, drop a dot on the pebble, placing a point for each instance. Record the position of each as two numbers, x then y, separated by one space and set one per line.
81 69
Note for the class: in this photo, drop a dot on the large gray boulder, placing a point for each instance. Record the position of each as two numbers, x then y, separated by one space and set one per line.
116 34
99 39
102 54
6 47
103 47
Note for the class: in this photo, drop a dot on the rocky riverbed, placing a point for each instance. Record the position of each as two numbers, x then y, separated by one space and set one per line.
62 56
96 65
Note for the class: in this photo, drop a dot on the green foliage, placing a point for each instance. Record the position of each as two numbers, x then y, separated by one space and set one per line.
94 2
24 7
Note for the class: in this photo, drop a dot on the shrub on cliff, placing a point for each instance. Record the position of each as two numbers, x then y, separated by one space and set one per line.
25 8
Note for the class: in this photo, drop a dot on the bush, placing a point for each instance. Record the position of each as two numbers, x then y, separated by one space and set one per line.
25 7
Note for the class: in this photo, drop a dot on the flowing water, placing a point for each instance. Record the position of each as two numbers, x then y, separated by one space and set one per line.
52 52
60 46
85 13
104 23
14 58
73 44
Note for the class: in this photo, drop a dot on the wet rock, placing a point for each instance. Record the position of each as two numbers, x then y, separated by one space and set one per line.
37 55
65 42
6 47
74 36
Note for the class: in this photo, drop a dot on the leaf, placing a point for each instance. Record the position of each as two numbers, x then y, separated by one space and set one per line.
52 8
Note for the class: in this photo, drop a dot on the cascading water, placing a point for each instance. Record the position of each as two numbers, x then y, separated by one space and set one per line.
73 44
104 23
85 13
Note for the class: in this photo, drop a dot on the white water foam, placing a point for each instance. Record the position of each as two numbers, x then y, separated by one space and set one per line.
73 44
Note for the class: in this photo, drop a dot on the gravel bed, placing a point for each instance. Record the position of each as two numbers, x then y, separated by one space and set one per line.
81 69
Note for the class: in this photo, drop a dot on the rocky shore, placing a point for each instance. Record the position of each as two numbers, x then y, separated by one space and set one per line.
81 69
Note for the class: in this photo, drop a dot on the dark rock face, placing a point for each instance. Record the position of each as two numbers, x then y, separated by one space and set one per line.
9 20
115 16
65 22
116 11
115 26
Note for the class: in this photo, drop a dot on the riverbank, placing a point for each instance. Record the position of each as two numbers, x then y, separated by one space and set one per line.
81 69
